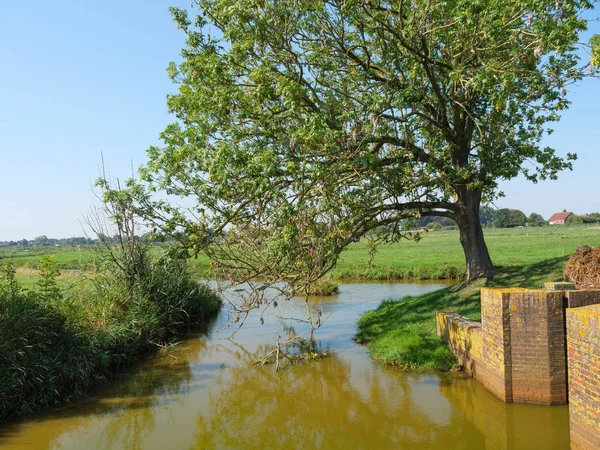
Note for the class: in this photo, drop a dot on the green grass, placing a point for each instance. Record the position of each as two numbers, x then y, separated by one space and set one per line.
403 333
30 257
438 255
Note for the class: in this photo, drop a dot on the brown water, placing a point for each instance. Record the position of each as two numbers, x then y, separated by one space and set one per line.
207 394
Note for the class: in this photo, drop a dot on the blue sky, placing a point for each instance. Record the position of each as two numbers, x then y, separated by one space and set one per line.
81 78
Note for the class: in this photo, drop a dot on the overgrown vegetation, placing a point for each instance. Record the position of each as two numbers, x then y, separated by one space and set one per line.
58 342
403 333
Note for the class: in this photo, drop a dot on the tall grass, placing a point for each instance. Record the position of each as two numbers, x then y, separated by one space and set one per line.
56 343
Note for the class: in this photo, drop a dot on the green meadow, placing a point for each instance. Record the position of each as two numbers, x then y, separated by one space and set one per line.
437 255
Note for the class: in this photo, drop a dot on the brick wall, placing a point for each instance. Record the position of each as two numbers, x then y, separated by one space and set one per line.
538 347
519 350
482 348
575 299
495 371
464 338
583 344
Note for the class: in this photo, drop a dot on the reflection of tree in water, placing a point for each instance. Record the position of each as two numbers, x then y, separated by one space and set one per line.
325 405
158 384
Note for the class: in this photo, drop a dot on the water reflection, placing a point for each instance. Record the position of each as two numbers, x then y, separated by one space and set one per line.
209 394
514 426
329 404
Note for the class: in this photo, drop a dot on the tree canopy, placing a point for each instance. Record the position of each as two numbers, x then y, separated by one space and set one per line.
303 125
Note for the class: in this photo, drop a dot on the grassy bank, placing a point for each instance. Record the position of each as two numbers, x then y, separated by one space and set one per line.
403 333
58 341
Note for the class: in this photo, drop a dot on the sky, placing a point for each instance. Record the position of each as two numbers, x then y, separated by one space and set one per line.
84 79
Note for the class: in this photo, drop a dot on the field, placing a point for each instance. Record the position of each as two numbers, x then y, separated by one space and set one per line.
438 255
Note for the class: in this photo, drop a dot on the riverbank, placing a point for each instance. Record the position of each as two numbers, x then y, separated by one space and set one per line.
57 342
403 333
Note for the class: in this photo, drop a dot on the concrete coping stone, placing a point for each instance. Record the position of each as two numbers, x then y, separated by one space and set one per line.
560 286
462 320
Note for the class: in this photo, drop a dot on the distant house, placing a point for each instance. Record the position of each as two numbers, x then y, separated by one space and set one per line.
559 218
540 217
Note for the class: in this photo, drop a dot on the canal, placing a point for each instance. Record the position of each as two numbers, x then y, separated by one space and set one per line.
207 393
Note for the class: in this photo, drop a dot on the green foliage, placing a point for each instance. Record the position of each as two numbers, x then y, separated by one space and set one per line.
534 220
55 347
403 333
595 45
43 357
574 220
486 215
516 218
47 285
9 285
501 218
303 125
324 287
509 218
592 218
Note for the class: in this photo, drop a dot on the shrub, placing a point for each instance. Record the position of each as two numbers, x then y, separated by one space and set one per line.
55 346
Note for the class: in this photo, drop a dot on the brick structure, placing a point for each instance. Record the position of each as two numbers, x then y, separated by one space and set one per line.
537 335
519 350
583 343
464 338
495 372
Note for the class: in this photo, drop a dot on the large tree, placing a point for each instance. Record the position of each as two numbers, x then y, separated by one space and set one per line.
304 124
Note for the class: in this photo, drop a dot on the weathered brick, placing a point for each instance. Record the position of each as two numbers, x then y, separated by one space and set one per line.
583 353
519 350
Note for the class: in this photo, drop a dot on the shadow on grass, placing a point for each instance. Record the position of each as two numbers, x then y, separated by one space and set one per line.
403 332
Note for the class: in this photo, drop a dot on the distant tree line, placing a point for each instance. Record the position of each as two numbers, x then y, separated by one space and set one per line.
500 218
489 218
44 241
585 218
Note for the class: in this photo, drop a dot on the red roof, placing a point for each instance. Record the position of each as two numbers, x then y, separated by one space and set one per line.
559 216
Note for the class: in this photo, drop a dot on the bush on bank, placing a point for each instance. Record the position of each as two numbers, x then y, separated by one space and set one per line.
56 343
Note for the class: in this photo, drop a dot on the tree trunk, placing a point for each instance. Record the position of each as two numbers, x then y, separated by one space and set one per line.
477 256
